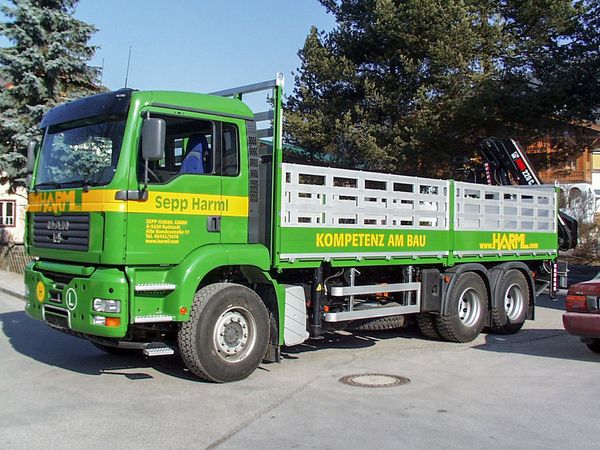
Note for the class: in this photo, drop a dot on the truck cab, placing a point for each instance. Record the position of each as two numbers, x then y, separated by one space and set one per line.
118 238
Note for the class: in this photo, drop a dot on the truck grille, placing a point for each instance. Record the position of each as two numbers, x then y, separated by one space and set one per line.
64 232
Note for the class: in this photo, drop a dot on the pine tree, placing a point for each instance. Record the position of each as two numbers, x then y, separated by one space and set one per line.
47 64
407 85
571 73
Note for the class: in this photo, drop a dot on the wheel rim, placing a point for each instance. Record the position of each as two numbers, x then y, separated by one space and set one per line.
513 302
235 334
469 307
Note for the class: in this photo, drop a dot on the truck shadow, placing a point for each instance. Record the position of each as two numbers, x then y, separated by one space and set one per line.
51 347
546 343
41 343
350 340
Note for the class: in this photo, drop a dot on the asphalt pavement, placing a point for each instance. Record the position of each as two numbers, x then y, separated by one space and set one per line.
537 389
12 283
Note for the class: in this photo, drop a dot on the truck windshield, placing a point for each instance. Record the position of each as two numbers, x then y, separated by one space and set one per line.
81 153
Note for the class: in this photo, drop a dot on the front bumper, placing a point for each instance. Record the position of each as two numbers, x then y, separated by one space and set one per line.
582 324
65 300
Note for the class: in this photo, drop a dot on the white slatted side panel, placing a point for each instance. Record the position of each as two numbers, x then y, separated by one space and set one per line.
341 198
501 208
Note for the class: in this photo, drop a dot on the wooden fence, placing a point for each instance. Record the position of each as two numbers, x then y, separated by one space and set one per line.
13 257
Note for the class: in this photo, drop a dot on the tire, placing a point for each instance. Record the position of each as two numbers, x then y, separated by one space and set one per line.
227 334
594 346
115 350
427 326
378 324
467 306
514 301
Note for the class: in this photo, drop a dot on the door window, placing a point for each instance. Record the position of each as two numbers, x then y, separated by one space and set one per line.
191 148
231 154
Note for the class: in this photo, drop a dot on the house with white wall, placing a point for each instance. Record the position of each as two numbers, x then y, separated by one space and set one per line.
12 215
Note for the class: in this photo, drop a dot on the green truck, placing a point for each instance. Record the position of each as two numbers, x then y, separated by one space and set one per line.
168 221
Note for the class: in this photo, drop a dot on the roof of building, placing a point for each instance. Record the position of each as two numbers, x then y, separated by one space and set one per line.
5 84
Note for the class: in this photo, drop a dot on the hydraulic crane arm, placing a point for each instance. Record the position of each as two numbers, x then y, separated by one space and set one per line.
506 164
506 160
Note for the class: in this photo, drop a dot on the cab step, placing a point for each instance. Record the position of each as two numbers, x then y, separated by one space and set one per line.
158 349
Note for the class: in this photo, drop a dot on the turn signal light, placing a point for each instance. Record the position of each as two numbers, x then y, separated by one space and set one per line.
113 321
576 303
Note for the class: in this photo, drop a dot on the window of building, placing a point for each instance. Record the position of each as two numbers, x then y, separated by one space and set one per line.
8 212
596 160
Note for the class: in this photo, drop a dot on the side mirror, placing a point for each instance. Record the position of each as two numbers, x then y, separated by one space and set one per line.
153 139
30 157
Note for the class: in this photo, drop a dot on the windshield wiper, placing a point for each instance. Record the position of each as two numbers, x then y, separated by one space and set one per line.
50 184
85 183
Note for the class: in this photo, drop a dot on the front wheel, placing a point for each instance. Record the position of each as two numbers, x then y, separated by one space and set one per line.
227 334
467 309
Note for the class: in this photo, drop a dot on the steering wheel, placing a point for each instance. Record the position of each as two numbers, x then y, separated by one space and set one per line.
153 176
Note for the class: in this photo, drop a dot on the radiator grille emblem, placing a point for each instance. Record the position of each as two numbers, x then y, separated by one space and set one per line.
59 225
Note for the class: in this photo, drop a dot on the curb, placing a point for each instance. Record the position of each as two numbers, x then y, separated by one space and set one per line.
12 292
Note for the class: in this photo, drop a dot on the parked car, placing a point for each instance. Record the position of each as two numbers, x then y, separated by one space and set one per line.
582 317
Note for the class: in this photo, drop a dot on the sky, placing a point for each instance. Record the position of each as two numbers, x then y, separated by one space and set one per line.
199 45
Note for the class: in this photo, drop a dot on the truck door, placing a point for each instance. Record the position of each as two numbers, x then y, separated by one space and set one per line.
234 182
185 205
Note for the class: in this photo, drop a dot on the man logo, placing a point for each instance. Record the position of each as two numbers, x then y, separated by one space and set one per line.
60 225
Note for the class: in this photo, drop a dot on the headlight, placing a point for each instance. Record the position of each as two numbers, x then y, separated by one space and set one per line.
107 306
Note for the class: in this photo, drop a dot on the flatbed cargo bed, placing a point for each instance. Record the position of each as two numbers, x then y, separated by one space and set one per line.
354 217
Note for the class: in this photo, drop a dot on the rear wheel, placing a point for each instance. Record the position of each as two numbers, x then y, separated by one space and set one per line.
467 306
514 302
427 325
227 335
594 345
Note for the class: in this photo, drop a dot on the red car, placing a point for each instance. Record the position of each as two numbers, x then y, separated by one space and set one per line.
583 312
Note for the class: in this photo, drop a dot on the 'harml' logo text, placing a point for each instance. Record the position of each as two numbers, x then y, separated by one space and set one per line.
508 241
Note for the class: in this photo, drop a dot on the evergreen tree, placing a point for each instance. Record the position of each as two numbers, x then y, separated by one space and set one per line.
571 73
46 65
407 85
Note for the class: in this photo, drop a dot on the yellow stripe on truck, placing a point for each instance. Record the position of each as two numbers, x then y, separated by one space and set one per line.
103 200
58 202
194 204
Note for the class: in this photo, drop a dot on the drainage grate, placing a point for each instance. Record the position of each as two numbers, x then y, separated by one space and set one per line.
373 380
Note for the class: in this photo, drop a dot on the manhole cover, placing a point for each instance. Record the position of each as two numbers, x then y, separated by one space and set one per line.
374 380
